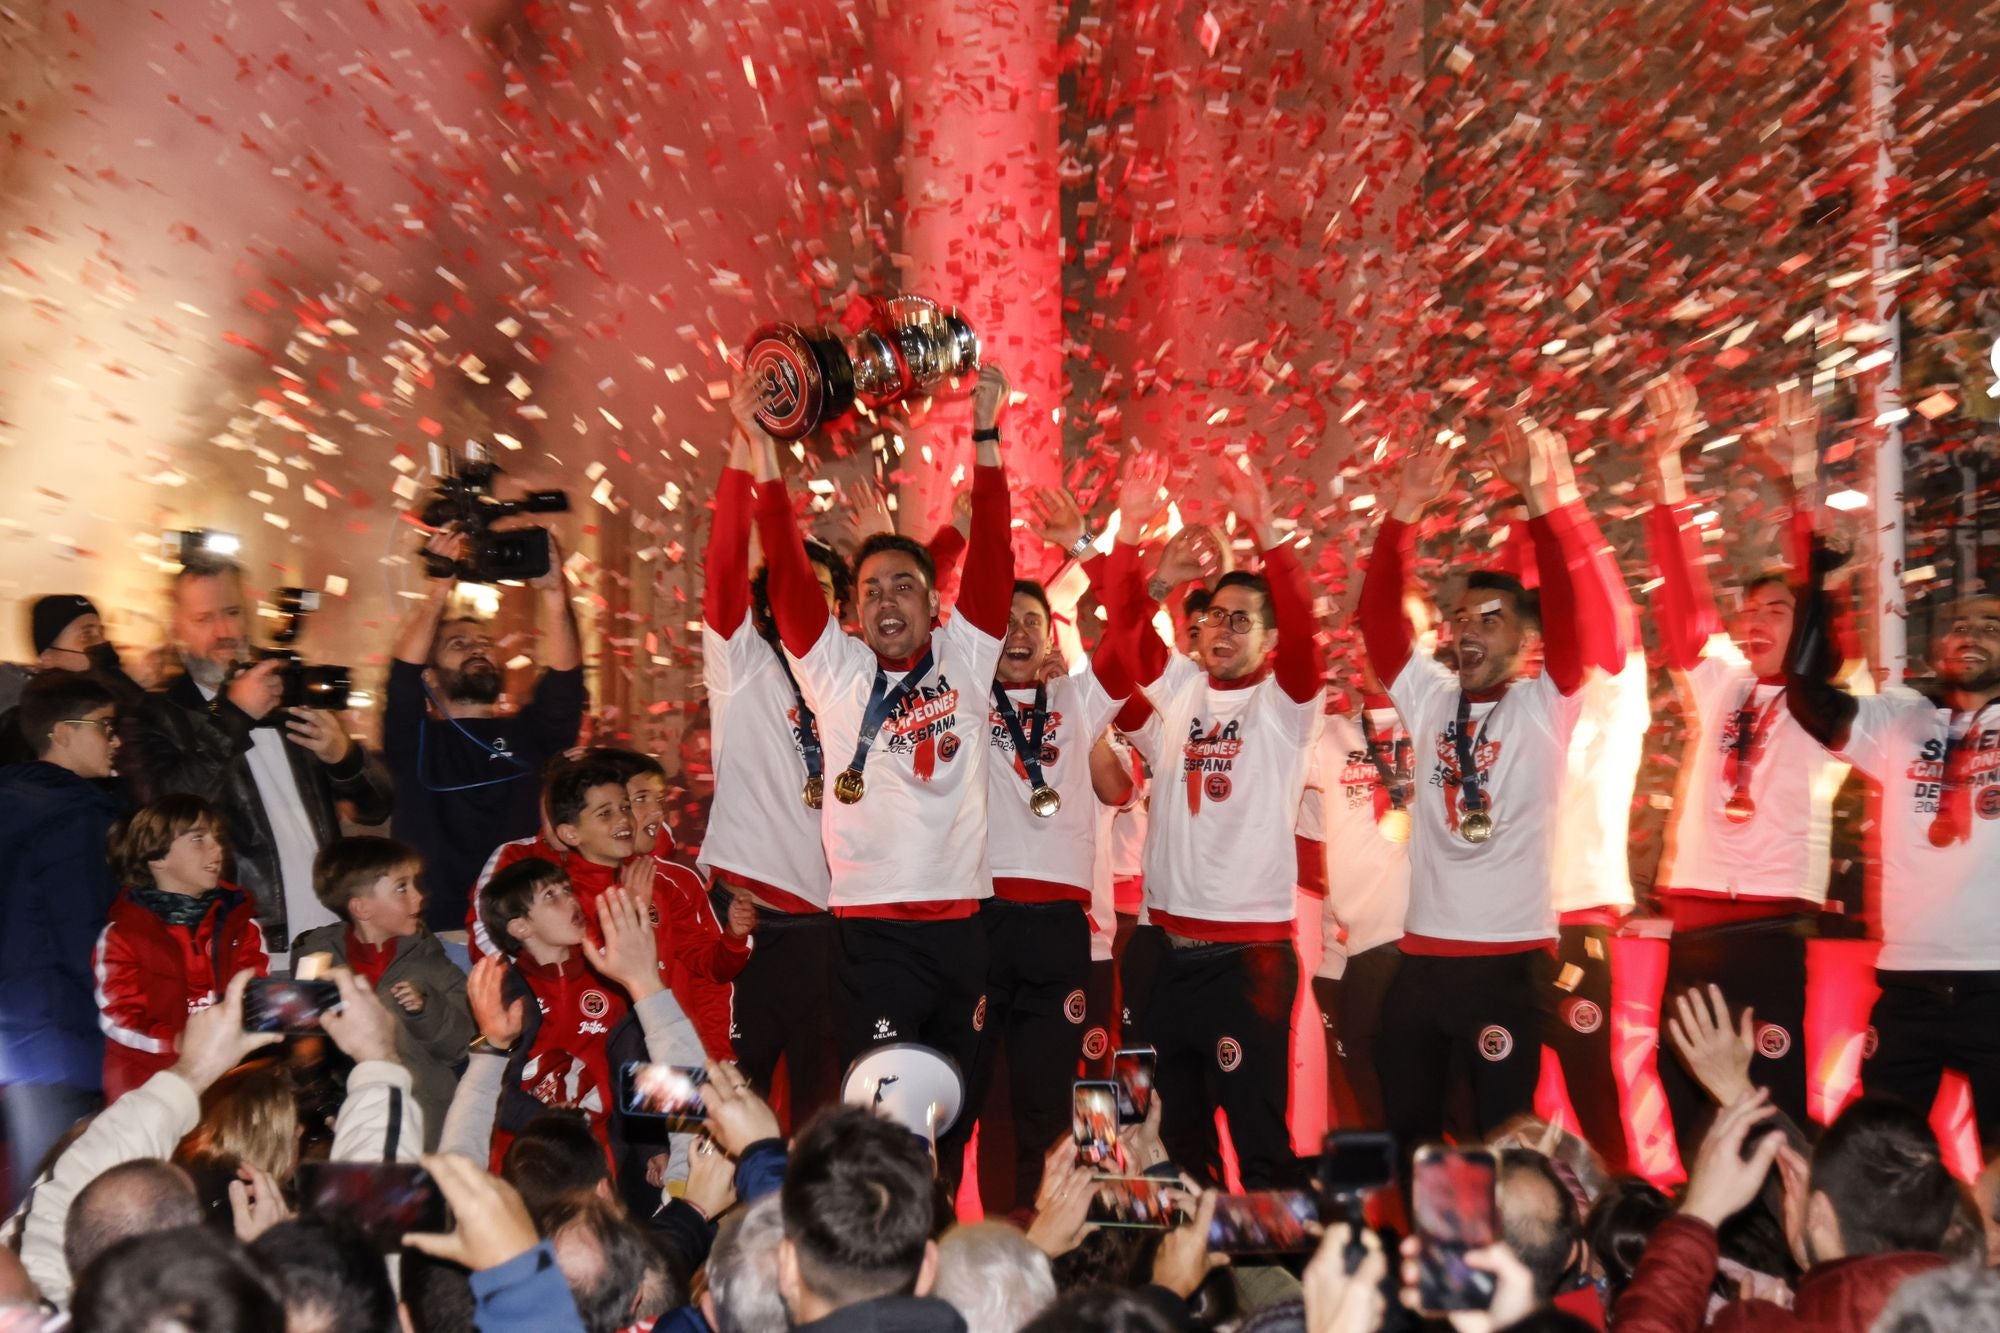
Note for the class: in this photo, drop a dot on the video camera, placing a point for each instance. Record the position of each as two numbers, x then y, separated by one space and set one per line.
464 499
305 685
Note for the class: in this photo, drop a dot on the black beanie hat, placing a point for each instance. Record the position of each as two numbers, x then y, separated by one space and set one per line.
54 614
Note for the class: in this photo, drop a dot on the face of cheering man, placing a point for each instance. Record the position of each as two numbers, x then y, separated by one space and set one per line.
210 624
1763 627
604 831
897 604
1967 651
1235 634
1030 636
1488 636
463 660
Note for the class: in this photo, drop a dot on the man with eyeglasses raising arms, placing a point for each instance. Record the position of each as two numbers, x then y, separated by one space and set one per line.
1220 862
1491 751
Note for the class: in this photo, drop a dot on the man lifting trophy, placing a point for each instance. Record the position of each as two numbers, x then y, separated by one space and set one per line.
898 348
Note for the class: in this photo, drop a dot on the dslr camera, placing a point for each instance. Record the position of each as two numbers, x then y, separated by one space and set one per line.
464 499
305 685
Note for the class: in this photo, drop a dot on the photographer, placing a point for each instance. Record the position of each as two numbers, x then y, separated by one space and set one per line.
468 776
217 732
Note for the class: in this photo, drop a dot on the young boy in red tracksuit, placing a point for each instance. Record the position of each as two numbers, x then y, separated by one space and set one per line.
176 935
589 809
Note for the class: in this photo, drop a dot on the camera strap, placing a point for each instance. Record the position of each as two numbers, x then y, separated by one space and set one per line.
488 749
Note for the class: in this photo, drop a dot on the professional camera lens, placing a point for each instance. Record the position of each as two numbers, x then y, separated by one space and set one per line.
521 555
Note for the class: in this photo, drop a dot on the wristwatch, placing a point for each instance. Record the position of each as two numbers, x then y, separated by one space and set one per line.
982 436
1157 588
481 1046
1080 548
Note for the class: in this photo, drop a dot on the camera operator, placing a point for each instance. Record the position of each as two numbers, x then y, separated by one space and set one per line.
216 731
468 777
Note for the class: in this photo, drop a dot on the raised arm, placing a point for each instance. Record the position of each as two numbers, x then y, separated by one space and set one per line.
1824 709
1684 611
1578 631
986 592
1299 669
796 601
1386 631
565 641
725 568
1128 603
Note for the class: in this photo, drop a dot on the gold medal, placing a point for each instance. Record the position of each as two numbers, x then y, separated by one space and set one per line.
849 787
814 794
1477 826
1394 825
1739 808
1045 801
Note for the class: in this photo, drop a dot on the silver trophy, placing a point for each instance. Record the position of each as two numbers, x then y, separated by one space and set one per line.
905 347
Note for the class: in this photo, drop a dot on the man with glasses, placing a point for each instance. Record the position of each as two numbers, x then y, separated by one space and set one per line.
1476 980
469 774
56 889
1220 860
67 634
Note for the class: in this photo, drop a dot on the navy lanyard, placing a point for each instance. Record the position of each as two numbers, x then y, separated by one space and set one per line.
1472 794
1399 795
1027 744
882 702
808 725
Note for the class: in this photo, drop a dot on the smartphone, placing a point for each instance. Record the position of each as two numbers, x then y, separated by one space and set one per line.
662 1092
1265 1222
1353 1162
1453 1211
1132 1070
385 1200
274 1004
1143 1202
1094 1121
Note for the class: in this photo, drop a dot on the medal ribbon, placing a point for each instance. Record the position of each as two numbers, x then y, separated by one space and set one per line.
1471 797
1752 725
882 702
815 757
1385 776
1955 805
1027 744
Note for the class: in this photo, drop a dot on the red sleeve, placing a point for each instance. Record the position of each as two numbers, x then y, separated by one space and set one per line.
1312 864
796 601
725 568
1134 714
121 998
1299 670
1385 630
700 945
1684 610
947 548
1111 663
1130 612
986 593
1799 537
1577 630
250 952
1669 1292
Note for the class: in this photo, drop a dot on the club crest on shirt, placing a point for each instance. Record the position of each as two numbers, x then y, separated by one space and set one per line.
1207 758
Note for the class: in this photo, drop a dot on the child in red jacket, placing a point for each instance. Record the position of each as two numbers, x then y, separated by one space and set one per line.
588 808
177 934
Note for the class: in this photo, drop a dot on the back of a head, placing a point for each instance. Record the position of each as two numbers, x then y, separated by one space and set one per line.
1964 1298
858 1206
438 1294
188 1280
1100 1310
1879 1166
331 1279
994 1276
1537 1217
555 1157
134 1198
1620 1223
615 1276
743 1270
250 1114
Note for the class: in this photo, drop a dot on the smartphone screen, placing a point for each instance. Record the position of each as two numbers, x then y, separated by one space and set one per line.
1356 1161
1094 1122
1143 1202
1265 1222
1132 1070
385 1200
274 1004
1452 1201
662 1092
